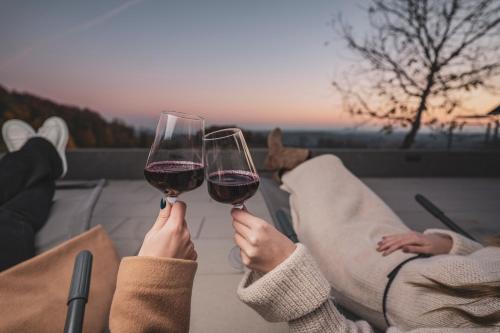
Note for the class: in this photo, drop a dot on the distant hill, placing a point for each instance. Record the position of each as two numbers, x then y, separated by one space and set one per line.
87 127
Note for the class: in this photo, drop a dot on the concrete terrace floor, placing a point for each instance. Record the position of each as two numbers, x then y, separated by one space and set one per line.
127 209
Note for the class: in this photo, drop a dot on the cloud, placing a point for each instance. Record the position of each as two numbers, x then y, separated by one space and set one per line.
87 25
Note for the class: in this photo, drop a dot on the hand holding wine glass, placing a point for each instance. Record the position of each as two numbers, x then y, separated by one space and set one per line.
230 172
262 246
169 237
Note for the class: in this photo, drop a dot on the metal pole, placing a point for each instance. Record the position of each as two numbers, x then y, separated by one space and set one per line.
437 213
78 292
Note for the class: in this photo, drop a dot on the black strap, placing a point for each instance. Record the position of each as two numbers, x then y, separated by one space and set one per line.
391 276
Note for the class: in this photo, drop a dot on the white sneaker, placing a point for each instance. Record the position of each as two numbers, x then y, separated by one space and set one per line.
15 133
54 129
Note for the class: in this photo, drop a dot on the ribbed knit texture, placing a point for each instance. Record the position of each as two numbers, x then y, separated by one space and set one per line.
295 291
276 292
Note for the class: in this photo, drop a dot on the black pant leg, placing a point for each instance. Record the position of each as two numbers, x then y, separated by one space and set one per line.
20 218
17 239
37 161
33 204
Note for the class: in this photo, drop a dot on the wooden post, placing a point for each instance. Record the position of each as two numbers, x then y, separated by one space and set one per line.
495 135
450 137
487 134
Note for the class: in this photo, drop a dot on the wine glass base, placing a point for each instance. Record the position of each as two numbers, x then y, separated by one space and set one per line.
234 259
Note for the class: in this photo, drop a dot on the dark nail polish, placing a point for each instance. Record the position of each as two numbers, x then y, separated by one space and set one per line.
163 203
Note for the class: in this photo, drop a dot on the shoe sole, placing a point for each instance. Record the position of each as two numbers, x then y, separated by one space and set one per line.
19 123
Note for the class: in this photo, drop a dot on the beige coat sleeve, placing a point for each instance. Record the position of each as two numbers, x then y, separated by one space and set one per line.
152 295
295 291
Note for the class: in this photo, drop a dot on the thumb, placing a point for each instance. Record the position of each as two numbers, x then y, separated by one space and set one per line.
178 213
163 215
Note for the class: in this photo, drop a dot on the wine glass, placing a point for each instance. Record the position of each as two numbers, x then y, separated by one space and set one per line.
230 172
175 163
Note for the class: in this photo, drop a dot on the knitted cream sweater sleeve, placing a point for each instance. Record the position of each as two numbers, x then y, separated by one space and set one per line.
295 291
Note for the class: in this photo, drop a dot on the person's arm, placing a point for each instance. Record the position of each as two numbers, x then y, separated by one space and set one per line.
153 290
432 242
295 291
286 285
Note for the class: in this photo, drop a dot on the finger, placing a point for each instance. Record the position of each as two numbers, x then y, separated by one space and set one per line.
410 240
242 243
393 239
386 245
186 237
390 238
399 234
392 249
163 216
241 229
245 217
395 245
178 213
406 235
192 255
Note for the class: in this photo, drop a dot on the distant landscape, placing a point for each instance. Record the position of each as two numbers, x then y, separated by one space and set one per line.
89 129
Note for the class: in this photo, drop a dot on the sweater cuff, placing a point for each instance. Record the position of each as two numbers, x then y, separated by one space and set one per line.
324 319
291 290
154 272
461 245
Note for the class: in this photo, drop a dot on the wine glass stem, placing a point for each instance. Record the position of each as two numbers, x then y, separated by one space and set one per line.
171 200
239 264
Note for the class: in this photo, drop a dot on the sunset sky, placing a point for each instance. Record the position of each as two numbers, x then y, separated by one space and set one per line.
256 63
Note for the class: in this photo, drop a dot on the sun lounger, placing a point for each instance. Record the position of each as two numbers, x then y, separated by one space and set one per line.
70 213
277 202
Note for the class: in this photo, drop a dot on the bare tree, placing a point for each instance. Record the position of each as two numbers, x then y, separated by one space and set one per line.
420 59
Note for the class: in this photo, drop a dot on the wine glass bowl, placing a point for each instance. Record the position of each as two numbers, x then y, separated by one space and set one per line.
175 162
229 168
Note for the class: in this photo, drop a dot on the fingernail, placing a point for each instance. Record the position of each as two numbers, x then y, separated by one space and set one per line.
163 203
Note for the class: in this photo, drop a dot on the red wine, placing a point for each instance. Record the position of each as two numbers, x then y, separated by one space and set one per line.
232 186
174 177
